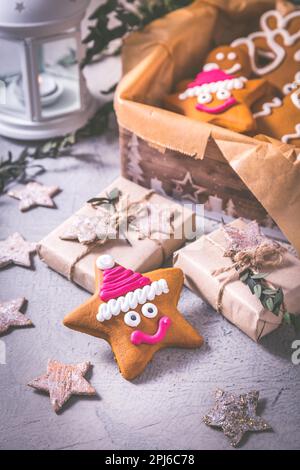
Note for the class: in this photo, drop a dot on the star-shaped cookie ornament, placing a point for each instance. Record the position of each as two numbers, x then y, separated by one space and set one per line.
62 381
34 194
219 98
246 239
236 415
10 315
136 314
16 250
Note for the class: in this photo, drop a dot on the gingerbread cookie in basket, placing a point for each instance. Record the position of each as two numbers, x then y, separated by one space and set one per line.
281 118
274 51
137 314
232 60
218 98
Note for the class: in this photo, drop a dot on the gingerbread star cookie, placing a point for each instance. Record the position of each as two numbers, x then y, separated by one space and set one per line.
16 250
281 118
232 60
10 315
137 314
218 98
34 194
62 381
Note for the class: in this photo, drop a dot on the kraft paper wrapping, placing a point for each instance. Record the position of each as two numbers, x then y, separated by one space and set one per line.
173 48
200 258
143 255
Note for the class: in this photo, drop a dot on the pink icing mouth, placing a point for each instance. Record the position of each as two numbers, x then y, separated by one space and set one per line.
139 337
217 109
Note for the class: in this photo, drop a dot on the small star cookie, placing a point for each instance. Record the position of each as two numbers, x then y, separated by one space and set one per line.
10 315
34 194
62 381
236 415
137 314
219 98
16 250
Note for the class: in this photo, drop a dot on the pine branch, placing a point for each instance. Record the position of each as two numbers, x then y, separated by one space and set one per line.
128 16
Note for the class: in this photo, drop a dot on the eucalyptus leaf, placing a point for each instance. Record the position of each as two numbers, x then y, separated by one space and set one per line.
270 292
270 304
257 290
244 276
259 275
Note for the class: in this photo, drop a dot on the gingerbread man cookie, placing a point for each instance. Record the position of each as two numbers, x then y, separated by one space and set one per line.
281 118
232 60
137 314
278 43
219 98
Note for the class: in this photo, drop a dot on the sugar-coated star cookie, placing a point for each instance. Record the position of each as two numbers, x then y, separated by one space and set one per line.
281 118
137 314
218 98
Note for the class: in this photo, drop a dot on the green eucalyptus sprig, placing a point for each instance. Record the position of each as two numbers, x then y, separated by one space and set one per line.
270 297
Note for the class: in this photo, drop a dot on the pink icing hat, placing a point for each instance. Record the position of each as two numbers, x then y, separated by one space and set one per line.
210 76
123 289
118 281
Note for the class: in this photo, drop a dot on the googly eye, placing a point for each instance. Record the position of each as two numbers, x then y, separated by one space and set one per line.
132 319
231 56
289 87
204 98
149 310
223 94
220 56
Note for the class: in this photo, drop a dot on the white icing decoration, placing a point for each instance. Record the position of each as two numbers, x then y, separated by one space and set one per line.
235 68
131 300
288 88
231 55
269 35
229 84
297 56
295 98
105 262
285 138
267 108
220 56
210 66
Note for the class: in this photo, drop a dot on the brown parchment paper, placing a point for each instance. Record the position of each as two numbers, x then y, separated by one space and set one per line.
200 258
172 48
143 255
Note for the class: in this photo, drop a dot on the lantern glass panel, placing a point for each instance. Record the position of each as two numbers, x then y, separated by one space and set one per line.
12 95
58 77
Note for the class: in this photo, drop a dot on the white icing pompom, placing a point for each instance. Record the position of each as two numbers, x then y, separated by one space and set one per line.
105 262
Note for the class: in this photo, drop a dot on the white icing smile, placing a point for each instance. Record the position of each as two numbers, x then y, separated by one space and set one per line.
235 68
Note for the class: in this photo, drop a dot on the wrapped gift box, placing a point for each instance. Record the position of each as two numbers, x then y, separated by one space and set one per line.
71 259
200 259
189 159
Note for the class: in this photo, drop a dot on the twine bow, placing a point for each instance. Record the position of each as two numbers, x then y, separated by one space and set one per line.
126 214
267 254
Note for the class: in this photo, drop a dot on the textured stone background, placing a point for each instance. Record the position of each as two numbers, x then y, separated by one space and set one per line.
163 408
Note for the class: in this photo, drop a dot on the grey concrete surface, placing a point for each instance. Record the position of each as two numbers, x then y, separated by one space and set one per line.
163 408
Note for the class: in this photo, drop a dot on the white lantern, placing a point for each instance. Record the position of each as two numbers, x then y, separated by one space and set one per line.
42 90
